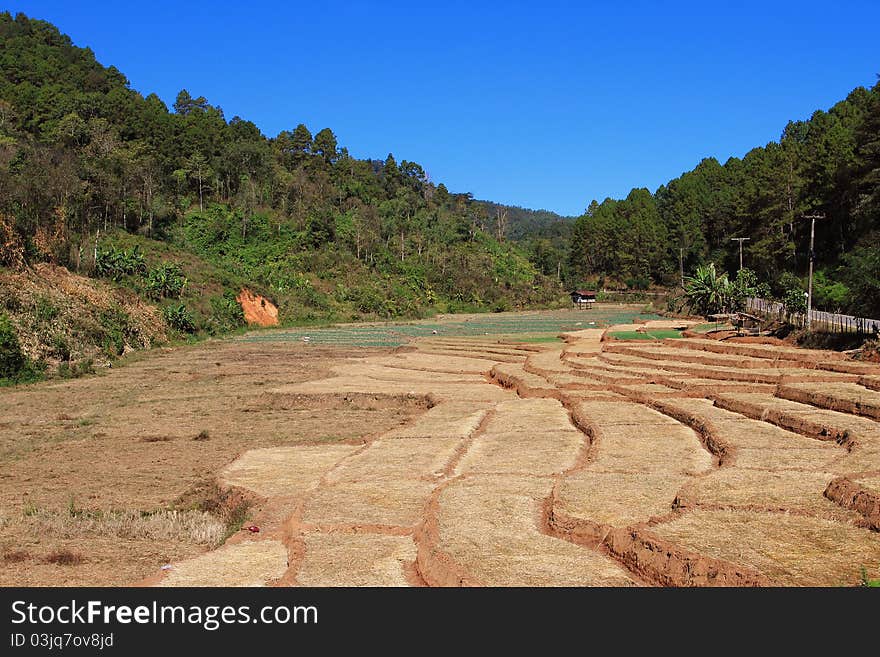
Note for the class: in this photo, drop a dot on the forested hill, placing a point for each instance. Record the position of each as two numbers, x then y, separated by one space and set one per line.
96 177
828 165
542 234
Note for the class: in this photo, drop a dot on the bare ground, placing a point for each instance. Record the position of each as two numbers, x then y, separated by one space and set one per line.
459 461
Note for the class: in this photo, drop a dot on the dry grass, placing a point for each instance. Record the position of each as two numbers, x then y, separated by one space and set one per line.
745 487
610 413
844 397
652 390
15 556
791 550
197 527
768 374
665 353
454 419
871 483
440 353
618 499
430 363
490 527
248 563
770 352
399 458
82 439
799 415
338 559
652 449
395 503
505 347
382 374
533 436
512 375
64 558
423 386
284 471
549 361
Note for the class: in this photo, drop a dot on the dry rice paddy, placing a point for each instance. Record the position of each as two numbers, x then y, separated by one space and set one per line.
581 462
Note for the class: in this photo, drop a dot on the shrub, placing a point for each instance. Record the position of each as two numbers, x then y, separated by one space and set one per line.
116 263
76 370
166 281
179 318
12 358
226 314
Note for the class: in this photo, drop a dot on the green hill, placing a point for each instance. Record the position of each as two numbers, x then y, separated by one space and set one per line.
90 168
828 165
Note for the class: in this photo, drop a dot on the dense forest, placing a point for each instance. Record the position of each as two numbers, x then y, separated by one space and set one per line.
102 180
828 165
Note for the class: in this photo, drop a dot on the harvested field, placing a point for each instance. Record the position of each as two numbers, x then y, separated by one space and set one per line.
387 503
486 532
747 488
283 471
791 550
249 563
400 458
455 454
844 397
338 559
752 350
530 436
617 499
525 383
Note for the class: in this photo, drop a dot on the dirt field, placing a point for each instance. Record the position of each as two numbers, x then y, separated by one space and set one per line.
469 454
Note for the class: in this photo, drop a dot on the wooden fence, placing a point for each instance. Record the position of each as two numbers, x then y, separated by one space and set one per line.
819 319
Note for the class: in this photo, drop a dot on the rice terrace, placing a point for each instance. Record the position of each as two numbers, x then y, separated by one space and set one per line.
514 449
492 295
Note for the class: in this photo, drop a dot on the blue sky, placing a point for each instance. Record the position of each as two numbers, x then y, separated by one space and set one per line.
539 104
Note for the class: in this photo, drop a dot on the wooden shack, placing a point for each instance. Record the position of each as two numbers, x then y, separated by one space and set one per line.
583 299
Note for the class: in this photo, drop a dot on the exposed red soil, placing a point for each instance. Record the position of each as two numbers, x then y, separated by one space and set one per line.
655 560
821 399
850 495
258 310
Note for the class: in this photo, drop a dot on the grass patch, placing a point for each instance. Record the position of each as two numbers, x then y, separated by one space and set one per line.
659 334
190 526
539 339
711 326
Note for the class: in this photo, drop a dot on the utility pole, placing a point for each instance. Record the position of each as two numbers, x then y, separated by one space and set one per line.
812 218
681 265
740 240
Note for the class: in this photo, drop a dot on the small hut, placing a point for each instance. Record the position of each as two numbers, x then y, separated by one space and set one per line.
583 299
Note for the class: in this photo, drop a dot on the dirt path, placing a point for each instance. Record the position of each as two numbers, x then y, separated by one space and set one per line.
591 463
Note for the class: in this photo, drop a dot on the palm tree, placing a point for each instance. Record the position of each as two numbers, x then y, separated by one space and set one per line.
707 291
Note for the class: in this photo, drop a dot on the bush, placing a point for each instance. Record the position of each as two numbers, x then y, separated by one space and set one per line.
794 301
179 318
166 281
76 370
12 358
226 314
116 263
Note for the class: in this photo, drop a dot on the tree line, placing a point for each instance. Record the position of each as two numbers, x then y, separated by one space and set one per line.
828 165
83 155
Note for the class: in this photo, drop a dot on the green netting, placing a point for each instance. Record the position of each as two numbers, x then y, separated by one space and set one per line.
532 326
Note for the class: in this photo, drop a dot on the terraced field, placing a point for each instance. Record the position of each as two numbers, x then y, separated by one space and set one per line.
683 462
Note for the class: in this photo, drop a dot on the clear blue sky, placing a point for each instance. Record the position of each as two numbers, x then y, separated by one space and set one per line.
539 104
